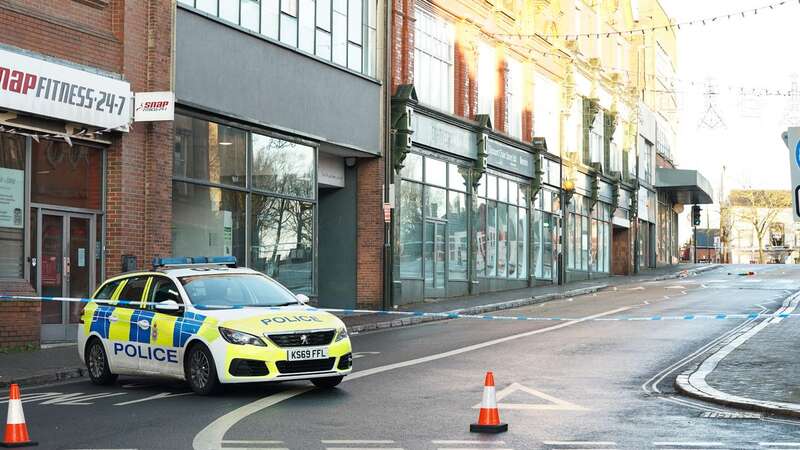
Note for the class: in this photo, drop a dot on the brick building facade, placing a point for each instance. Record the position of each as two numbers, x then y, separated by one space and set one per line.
130 41
208 182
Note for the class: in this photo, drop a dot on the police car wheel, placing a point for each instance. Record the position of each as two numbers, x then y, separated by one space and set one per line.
327 382
200 371
97 364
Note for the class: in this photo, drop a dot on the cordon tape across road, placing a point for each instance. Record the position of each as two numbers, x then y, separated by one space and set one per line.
446 315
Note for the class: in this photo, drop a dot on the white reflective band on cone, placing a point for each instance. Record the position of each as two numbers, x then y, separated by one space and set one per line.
488 398
15 414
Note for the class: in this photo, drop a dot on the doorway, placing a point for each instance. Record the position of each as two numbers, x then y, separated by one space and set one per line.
434 258
65 251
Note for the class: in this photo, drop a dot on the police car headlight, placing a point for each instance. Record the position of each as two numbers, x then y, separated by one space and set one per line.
341 334
240 338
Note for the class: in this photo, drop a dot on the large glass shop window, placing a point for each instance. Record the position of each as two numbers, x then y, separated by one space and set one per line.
543 224
12 207
502 228
282 240
281 196
433 193
207 221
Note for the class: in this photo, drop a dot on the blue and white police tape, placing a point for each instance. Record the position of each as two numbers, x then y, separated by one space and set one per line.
439 315
457 315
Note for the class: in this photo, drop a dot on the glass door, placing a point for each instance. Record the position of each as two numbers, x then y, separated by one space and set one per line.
65 251
434 258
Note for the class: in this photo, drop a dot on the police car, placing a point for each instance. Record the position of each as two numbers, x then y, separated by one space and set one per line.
209 322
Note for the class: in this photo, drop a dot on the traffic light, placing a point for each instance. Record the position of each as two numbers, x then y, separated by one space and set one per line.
696 215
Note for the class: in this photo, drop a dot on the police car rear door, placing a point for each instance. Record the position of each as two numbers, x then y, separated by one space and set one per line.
165 303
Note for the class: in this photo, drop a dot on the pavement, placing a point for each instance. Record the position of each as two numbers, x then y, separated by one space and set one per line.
754 370
598 380
60 363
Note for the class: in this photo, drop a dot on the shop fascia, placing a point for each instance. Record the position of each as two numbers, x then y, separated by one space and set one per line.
414 125
75 101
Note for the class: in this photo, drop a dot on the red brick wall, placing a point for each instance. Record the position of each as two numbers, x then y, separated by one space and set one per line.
402 43
132 38
63 29
19 321
140 164
369 256
465 89
527 124
500 107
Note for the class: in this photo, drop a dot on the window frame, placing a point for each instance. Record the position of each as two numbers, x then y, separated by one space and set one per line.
364 63
249 191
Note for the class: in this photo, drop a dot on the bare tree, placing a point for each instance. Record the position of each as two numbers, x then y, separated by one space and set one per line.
759 208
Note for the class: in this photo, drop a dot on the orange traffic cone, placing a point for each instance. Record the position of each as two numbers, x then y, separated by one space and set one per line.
489 417
16 429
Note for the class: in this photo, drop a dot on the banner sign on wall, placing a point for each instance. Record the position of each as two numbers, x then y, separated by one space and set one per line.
58 91
12 194
154 106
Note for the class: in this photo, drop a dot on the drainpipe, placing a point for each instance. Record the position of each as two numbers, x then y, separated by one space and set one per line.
388 170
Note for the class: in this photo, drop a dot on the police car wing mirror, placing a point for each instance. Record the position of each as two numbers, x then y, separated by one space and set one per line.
302 298
168 306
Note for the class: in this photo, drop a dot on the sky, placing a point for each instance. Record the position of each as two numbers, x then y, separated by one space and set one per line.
756 52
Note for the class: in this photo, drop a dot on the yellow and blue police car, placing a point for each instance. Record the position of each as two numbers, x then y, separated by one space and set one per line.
209 322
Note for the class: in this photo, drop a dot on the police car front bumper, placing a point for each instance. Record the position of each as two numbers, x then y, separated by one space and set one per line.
249 363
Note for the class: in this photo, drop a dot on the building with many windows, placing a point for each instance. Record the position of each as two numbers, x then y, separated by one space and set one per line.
278 138
525 144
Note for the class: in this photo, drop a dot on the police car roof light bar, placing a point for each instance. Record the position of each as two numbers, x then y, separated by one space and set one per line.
229 261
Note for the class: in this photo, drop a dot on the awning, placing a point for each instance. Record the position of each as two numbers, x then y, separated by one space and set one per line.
687 187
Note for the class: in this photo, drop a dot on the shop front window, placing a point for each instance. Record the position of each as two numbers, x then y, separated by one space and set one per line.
12 204
480 237
283 167
410 251
280 193
538 242
501 228
434 242
457 240
208 151
207 221
66 175
282 237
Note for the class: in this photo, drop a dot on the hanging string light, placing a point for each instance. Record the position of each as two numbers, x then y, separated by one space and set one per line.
668 81
671 26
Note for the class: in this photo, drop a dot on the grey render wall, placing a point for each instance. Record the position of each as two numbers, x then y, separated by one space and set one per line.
230 71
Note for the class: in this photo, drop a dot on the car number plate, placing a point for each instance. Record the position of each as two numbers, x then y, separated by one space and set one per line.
299 354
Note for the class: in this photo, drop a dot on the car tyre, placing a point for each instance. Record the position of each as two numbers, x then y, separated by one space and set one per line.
201 373
97 364
327 382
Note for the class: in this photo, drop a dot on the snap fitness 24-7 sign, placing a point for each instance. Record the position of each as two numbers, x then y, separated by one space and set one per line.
62 92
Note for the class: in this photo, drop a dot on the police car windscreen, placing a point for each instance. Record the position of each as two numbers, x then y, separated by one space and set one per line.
235 291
